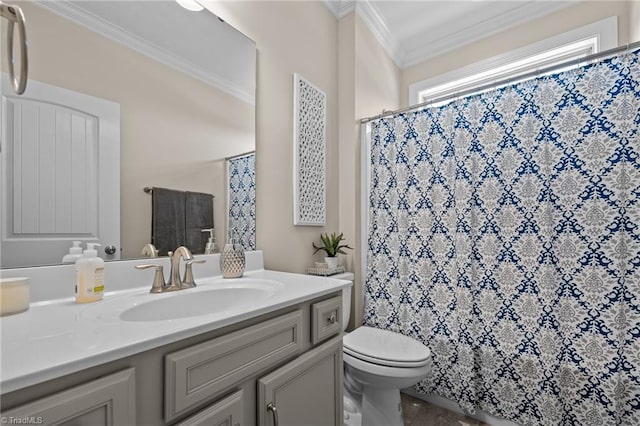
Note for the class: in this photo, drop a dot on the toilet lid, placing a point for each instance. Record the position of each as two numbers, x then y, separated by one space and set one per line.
385 347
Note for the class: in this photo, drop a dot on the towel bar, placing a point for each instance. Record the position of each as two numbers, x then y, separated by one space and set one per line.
149 190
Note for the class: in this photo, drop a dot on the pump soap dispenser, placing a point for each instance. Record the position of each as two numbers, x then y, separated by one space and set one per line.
74 254
210 248
89 276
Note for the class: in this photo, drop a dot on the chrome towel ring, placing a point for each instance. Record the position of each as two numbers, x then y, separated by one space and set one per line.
15 16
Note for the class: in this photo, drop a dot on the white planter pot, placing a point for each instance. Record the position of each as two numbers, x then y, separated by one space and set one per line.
332 262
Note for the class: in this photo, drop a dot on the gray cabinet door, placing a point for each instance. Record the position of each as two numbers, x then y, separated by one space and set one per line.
108 401
306 391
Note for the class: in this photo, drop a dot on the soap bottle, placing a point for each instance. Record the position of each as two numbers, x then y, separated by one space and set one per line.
74 254
89 276
210 248
232 260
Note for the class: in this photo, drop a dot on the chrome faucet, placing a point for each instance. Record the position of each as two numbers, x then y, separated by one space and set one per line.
175 283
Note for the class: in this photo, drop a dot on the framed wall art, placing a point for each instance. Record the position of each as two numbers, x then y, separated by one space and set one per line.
309 153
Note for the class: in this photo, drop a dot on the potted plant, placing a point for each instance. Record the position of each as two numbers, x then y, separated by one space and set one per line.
331 244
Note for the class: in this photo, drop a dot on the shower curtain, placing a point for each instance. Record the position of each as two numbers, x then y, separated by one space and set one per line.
504 233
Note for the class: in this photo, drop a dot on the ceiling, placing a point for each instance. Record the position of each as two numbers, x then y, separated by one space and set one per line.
414 31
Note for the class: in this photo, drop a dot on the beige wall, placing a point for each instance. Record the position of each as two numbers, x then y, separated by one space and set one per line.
567 19
171 124
634 21
378 78
348 135
291 37
349 156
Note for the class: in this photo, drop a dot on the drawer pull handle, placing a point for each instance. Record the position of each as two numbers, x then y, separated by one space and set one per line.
271 407
332 318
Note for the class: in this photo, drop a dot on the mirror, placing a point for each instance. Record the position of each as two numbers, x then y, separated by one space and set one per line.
165 92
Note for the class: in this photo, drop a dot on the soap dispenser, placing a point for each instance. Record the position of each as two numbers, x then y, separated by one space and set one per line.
89 276
75 253
232 260
210 248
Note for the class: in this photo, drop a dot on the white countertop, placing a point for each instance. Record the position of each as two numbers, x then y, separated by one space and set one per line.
59 337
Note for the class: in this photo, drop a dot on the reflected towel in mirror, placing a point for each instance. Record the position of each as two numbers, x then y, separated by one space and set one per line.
167 219
198 216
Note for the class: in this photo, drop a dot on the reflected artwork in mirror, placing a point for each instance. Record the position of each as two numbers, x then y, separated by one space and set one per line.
121 96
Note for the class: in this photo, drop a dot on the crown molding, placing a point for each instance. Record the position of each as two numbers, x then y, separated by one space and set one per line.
346 7
370 15
527 12
403 57
333 6
372 18
95 23
340 8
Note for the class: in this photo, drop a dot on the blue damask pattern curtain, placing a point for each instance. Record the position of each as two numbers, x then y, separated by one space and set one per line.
504 233
242 200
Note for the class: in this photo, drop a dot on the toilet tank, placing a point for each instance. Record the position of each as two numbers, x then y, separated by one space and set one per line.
346 297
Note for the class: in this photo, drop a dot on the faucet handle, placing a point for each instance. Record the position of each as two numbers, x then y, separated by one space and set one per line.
158 285
188 281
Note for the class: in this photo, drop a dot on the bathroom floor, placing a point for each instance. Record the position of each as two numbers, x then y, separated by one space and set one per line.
417 412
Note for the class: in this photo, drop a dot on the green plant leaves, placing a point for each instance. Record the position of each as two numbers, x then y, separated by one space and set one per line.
331 244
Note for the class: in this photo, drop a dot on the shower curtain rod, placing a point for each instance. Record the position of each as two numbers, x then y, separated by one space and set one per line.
525 76
244 154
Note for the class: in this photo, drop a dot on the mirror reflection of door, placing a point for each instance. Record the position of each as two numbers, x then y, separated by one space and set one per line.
241 199
60 173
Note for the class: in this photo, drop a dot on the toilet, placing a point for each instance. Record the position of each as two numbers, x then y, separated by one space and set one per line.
377 364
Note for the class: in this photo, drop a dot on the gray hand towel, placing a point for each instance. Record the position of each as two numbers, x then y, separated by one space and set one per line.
167 219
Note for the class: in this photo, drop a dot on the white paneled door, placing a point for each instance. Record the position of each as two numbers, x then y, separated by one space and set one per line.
60 173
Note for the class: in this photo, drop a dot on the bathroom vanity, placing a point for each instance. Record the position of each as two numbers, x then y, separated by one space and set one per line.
273 348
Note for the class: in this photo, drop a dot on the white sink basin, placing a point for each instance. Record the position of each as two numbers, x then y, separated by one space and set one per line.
221 296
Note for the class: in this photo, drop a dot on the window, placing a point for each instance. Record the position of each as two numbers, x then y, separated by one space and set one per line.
601 35
511 71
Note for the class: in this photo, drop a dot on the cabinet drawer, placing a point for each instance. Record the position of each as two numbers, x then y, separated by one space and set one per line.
226 412
109 401
198 373
326 319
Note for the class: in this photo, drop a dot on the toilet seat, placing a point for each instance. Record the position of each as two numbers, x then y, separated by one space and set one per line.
385 348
